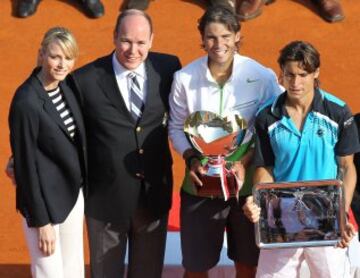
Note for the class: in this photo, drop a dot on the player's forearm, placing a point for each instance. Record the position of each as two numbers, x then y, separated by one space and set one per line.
263 174
349 182
348 171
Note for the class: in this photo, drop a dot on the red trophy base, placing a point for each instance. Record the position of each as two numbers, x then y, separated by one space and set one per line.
212 186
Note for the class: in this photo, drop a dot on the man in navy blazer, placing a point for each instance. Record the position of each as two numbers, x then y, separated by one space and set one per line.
129 160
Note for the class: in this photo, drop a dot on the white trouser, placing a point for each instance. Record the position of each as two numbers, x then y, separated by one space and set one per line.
68 258
354 255
323 262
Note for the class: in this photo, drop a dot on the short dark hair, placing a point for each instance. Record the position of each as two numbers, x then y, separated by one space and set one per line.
129 12
302 52
219 14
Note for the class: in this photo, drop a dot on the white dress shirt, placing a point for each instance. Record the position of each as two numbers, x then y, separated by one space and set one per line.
123 81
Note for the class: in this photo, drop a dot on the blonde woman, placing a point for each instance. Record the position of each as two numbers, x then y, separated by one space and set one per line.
48 144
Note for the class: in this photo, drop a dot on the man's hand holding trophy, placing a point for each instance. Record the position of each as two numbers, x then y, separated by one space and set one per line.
215 139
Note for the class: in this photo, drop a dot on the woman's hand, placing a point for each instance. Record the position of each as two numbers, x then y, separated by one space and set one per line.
47 238
9 170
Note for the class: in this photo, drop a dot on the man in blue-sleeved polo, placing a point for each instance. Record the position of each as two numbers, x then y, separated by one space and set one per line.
304 134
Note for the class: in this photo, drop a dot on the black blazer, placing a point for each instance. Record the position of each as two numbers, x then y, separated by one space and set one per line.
49 164
128 161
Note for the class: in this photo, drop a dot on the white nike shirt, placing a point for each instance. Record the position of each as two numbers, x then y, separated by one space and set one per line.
194 89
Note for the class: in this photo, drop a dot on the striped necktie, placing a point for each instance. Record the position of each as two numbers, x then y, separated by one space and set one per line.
136 97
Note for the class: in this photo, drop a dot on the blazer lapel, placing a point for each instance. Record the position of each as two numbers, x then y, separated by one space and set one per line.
49 107
152 86
74 108
107 82
78 118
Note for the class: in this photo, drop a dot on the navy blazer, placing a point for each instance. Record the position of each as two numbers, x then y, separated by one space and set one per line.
128 161
50 166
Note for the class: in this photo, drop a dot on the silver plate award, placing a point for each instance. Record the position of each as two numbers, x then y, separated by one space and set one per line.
299 214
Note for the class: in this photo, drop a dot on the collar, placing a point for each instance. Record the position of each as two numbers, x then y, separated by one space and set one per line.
208 75
278 106
123 72
35 75
36 83
36 71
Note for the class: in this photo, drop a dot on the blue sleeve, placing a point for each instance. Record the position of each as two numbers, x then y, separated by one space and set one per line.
348 142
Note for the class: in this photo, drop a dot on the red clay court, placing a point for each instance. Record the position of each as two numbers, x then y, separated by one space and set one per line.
175 24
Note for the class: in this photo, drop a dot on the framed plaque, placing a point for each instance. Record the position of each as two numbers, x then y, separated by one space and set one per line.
299 214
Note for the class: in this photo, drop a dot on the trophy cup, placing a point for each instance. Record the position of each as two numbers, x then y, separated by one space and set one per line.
216 138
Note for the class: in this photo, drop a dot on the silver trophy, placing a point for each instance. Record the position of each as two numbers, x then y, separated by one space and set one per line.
216 138
299 214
